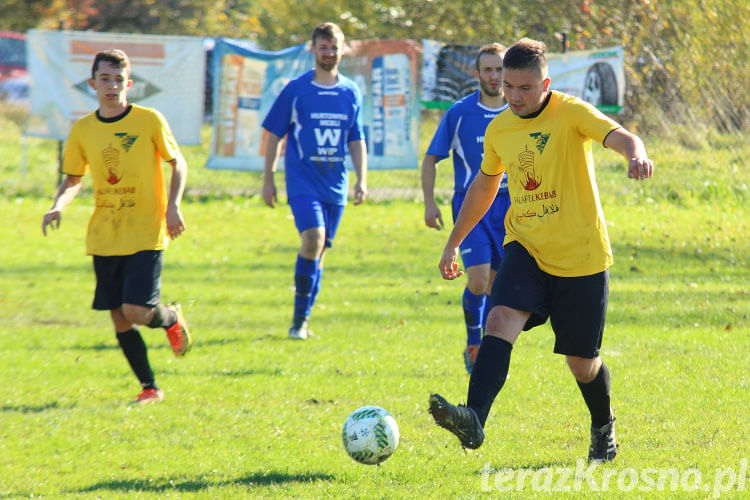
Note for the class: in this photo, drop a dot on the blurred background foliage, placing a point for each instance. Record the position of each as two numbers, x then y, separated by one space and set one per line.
686 60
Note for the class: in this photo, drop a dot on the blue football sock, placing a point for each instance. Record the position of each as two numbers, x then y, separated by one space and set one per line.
316 286
485 313
304 279
473 314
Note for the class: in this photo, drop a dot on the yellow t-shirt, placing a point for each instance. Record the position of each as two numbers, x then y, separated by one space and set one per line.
124 157
555 211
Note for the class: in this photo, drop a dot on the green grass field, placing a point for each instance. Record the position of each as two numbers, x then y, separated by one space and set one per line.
250 414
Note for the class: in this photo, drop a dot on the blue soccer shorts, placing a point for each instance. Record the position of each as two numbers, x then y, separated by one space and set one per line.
484 243
310 212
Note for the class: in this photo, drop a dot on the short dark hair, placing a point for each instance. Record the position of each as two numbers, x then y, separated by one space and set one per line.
490 48
527 54
327 30
115 57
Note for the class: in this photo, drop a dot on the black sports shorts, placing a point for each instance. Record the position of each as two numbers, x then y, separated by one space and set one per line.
576 306
128 279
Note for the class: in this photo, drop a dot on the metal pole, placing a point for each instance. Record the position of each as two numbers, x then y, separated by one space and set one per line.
60 27
59 162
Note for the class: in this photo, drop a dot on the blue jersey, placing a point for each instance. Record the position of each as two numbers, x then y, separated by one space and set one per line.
319 121
462 130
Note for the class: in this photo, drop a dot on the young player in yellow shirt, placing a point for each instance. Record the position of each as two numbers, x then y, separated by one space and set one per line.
123 145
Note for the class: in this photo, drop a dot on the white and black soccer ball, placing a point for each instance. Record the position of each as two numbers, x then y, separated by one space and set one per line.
370 435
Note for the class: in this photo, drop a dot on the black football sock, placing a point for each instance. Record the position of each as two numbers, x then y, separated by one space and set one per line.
134 349
596 395
163 317
488 375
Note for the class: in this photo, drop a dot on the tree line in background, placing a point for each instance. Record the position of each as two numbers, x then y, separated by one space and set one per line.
686 60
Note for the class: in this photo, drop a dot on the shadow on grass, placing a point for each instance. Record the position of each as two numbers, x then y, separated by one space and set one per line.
490 468
34 409
102 346
154 344
249 373
257 479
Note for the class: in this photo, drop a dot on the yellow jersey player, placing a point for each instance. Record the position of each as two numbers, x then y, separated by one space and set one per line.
122 146
557 250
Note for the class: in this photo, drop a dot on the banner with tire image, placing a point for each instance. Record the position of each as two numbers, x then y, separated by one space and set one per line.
597 76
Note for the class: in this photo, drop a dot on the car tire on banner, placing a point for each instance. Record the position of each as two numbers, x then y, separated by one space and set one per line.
455 72
600 85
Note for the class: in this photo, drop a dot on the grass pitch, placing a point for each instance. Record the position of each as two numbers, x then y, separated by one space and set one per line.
250 414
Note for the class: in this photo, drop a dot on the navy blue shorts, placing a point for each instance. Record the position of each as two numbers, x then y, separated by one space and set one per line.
128 279
310 212
484 243
575 306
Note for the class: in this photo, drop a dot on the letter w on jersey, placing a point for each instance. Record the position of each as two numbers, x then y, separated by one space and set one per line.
325 136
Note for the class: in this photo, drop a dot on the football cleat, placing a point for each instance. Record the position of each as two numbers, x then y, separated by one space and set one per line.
178 334
470 357
299 329
603 445
460 420
148 396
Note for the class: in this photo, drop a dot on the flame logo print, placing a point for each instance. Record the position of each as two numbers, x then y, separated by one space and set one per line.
112 164
530 180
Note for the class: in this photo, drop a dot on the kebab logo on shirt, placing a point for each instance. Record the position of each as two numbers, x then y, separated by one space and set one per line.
111 158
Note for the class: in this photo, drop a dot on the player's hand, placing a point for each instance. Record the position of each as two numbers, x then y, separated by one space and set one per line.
269 193
51 219
448 265
432 216
640 168
175 222
360 192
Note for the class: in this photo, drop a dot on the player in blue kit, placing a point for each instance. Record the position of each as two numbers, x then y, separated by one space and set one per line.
462 130
320 113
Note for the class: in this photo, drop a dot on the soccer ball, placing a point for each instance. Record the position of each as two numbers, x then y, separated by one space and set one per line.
370 435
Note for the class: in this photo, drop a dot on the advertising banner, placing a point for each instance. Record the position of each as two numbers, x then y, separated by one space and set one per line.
167 73
246 81
14 78
597 76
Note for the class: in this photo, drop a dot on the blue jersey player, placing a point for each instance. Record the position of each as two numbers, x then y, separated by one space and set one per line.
320 113
462 130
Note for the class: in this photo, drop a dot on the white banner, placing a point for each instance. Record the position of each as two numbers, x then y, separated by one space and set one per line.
596 75
168 74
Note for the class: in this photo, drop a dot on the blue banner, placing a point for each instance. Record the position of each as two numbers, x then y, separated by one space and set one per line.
247 80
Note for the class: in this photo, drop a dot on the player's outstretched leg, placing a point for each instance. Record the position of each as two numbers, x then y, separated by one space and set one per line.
487 378
460 420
